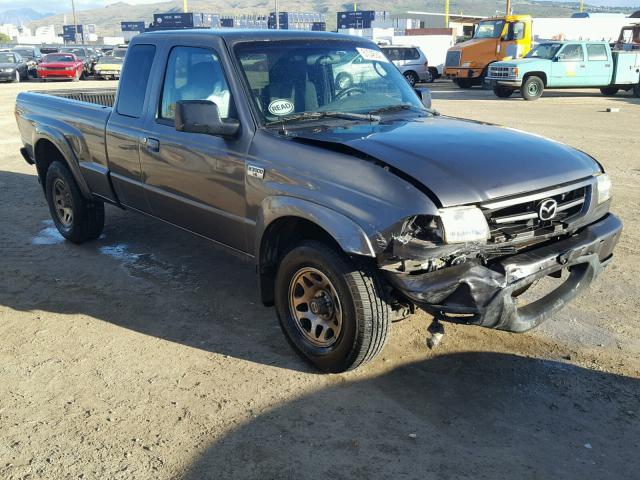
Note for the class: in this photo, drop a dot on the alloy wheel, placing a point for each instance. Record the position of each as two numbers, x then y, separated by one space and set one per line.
62 202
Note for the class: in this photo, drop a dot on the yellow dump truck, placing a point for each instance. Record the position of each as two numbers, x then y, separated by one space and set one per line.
499 38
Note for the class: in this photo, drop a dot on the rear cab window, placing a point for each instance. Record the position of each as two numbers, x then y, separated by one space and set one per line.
597 53
133 84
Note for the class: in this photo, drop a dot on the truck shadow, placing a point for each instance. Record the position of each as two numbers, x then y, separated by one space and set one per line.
470 415
142 275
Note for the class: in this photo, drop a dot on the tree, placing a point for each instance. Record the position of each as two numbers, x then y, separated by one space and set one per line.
4 38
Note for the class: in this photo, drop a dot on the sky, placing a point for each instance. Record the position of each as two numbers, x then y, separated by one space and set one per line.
65 5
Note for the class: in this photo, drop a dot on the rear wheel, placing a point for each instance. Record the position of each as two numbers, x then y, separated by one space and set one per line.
412 78
434 74
609 91
502 92
464 82
532 88
76 218
636 90
330 307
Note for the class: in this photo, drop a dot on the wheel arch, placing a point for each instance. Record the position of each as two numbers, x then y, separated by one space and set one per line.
49 146
539 74
285 221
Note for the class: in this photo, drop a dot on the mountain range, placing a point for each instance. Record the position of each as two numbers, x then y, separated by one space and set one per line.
19 16
107 19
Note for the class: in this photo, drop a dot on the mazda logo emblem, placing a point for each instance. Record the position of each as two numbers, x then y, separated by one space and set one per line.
547 209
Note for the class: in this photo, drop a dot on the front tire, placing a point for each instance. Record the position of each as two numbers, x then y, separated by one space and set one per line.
502 92
464 83
532 88
330 307
16 77
76 218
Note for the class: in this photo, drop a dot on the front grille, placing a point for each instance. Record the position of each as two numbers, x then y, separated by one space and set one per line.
499 72
519 218
453 58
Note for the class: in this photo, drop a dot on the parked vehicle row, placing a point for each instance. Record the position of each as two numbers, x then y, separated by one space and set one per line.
24 62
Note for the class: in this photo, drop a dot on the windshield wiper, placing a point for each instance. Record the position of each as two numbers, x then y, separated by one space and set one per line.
395 108
318 115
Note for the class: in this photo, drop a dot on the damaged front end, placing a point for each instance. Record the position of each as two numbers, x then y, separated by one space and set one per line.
477 282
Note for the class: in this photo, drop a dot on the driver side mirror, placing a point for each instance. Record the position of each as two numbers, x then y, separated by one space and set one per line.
555 59
424 94
203 116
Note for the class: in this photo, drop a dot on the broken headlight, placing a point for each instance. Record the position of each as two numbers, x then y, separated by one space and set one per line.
464 224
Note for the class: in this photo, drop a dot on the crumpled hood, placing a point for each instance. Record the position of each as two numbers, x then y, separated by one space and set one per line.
462 161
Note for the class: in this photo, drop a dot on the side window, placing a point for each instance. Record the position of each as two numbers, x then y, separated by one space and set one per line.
194 74
572 53
412 54
133 84
597 53
515 31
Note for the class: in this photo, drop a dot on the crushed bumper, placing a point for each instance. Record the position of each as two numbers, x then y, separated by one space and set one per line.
486 293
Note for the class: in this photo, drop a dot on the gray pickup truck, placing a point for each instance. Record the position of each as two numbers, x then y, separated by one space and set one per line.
357 204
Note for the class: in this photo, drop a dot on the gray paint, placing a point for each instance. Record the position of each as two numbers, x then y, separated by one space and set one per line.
359 182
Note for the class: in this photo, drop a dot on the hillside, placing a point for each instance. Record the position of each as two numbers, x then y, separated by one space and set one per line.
18 16
108 19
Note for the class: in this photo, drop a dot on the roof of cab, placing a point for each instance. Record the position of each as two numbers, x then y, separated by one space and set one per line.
232 35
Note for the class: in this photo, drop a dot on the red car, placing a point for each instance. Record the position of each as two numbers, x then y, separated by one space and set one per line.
61 65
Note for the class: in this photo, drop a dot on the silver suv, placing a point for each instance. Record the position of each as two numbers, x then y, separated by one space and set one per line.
411 61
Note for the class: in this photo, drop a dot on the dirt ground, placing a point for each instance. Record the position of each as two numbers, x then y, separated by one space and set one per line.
146 354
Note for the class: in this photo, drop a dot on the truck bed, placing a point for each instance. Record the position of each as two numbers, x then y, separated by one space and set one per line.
105 97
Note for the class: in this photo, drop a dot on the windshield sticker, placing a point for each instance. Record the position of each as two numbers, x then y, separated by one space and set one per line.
281 107
372 55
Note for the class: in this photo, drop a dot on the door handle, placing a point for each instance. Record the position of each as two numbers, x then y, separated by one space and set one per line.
583 66
152 144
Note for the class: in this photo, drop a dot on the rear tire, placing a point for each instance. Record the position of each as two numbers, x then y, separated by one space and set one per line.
502 92
412 78
464 83
609 91
348 319
76 218
434 74
532 88
636 90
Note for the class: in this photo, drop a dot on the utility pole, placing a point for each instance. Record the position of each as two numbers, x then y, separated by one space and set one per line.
185 7
277 15
508 7
75 25
446 13
581 6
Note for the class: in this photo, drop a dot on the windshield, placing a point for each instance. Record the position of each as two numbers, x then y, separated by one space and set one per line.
78 52
57 57
7 57
26 53
119 52
290 78
489 29
544 50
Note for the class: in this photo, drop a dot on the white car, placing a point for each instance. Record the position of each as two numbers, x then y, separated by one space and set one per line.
411 61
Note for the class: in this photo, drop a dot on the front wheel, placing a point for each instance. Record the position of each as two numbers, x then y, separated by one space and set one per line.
609 91
464 83
532 88
502 92
330 307
16 77
76 218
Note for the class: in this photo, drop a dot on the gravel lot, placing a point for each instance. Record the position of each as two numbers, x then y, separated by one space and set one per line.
146 354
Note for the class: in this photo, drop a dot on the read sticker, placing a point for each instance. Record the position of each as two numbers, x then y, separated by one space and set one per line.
372 55
281 107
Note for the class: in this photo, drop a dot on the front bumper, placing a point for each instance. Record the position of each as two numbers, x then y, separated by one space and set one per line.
486 294
56 73
494 82
455 72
